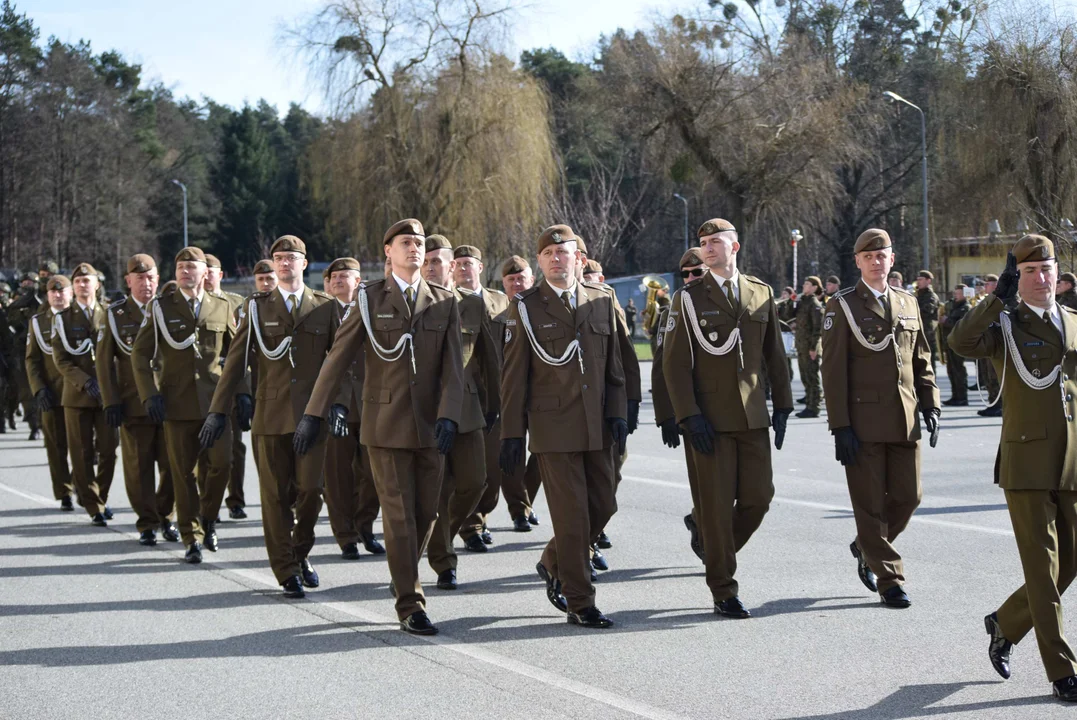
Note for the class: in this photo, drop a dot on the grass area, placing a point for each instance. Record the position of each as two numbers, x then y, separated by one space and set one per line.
643 350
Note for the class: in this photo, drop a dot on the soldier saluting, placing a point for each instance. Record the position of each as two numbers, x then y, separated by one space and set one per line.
1034 351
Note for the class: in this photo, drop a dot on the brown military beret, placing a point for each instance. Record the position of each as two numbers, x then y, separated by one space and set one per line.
591 267
713 226
513 265
926 274
871 240
212 261
58 282
140 263
557 235
263 267
344 263
1033 248
84 269
691 258
895 274
814 279
191 254
991 278
288 243
50 267
437 242
1068 277
467 251
411 226
581 245
834 279
961 286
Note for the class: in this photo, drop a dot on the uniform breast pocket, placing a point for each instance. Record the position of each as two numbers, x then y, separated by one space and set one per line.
552 339
388 330
601 332
1040 358
315 337
211 336
873 332
467 336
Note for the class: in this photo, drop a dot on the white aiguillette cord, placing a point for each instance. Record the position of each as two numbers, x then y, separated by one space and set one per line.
160 324
45 347
877 347
1009 348
572 349
253 328
124 347
688 309
58 326
397 351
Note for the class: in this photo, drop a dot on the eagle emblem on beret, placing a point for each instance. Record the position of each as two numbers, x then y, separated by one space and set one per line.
556 237
1043 251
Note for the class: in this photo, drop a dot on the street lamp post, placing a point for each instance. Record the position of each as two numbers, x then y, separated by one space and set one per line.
794 240
184 189
685 201
923 167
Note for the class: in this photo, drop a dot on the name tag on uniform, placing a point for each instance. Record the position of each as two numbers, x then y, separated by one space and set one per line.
173 322
385 316
1036 343
547 325
271 324
711 312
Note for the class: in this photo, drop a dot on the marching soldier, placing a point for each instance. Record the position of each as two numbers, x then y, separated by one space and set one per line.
176 359
350 493
985 370
721 334
957 308
46 383
290 329
141 439
409 332
563 383
809 331
876 374
265 276
895 280
1033 348
833 286
1065 294
32 298
928 302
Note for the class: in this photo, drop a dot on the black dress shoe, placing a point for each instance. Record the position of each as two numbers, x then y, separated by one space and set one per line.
590 617
169 532
533 519
99 520
995 411
866 575
33 434
310 575
107 513
418 624
520 524
350 551
956 402
553 589
803 400
732 608
895 597
808 413
237 513
475 544
147 538
594 575
1000 648
372 545
697 540
194 554
293 587
1066 689
66 505
447 579
974 386
604 541
598 560
209 527
487 538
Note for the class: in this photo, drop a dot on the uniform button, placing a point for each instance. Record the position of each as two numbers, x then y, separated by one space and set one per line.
293 380
584 387
1069 398
412 382
196 376
1022 437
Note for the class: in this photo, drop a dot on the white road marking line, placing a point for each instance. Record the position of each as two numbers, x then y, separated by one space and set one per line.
444 642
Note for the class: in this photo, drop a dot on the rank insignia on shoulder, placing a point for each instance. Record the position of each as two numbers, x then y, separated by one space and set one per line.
828 323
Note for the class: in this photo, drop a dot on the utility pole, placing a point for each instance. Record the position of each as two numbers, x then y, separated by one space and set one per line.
685 201
923 168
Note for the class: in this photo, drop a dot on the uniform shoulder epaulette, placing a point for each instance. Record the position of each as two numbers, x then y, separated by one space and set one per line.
232 294
843 291
526 293
598 286
694 282
902 290
1068 309
261 294
754 279
322 294
439 287
372 283
492 291
117 303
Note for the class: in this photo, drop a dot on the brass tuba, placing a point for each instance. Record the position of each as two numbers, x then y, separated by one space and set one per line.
653 283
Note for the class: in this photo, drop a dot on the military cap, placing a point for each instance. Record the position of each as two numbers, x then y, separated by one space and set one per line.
140 263
437 242
410 226
212 261
991 278
961 286
895 274
84 269
788 289
470 251
926 274
344 263
1068 277
871 240
513 265
263 267
1033 248
978 282
29 275
691 258
191 254
581 245
834 279
557 235
591 267
58 282
814 279
713 226
50 267
288 243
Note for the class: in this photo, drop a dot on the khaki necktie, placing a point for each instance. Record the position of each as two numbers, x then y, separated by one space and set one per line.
884 300
190 302
731 295
409 293
293 301
566 298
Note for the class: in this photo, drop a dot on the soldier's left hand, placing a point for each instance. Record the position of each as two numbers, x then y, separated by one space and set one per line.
670 436
93 389
931 422
306 433
444 434
114 415
338 421
633 416
244 411
780 420
212 429
619 430
491 420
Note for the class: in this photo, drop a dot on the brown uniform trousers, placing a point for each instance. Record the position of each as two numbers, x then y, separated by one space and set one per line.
735 481
400 410
465 474
878 395
350 494
565 414
1036 466
236 497
89 437
186 379
41 372
141 441
291 485
633 375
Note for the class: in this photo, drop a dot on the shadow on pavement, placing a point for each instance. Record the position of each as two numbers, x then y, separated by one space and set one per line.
959 509
788 606
917 701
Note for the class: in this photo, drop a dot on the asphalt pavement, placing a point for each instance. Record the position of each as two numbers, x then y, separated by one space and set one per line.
95 626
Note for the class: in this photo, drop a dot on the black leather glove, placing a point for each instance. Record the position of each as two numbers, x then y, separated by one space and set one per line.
619 430
1006 287
512 453
244 412
338 421
671 437
46 401
114 415
845 445
155 408
444 434
93 389
701 433
780 419
491 420
633 416
306 433
931 422
212 429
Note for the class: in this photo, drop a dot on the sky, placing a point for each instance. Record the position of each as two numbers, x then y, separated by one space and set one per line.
230 50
